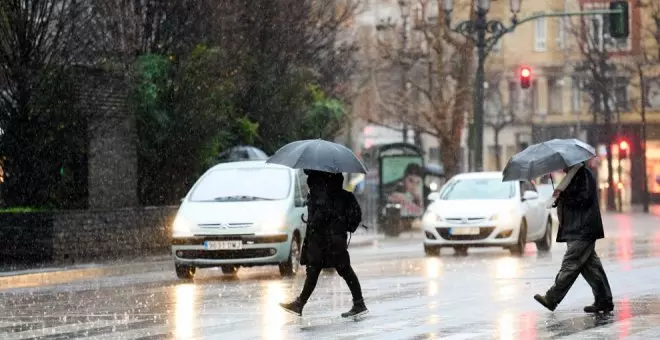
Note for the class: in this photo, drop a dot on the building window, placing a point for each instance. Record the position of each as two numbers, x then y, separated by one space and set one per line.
561 34
598 30
576 95
541 35
653 93
514 97
555 96
620 95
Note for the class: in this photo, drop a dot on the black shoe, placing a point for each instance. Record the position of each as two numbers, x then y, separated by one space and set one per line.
358 309
294 307
599 308
542 299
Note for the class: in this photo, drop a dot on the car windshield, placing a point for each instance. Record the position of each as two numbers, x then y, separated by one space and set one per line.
478 189
243 184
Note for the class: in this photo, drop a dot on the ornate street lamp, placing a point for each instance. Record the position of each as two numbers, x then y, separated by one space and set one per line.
485 35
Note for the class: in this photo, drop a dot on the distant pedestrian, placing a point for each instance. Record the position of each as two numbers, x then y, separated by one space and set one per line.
332 214
580 225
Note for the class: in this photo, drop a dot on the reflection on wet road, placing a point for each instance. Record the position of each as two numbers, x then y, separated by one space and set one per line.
485 295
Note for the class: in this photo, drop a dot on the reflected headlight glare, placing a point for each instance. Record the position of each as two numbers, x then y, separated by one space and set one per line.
181 227
272 224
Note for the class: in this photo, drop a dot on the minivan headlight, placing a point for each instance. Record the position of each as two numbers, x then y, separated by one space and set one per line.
181 227
271 224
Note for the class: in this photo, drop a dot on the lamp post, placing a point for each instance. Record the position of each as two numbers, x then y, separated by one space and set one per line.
484 34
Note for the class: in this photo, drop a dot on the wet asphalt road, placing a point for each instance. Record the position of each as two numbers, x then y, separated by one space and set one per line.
485 295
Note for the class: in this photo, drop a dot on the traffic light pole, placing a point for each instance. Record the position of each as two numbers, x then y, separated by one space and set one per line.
477 32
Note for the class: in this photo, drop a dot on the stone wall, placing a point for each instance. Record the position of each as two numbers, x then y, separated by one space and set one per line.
71 237
112 161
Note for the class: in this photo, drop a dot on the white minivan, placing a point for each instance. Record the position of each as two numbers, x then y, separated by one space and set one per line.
241 214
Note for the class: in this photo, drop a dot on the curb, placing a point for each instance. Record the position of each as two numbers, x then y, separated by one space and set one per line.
65 275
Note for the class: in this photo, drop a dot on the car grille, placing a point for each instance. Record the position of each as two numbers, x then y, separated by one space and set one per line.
226 254
469 220
484 232
247 239
224 225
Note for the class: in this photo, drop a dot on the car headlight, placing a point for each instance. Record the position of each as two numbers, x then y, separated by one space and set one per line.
181 227
431 217
271 224
504 217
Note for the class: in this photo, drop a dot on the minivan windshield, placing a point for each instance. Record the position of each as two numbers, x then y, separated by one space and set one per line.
243 184
478 189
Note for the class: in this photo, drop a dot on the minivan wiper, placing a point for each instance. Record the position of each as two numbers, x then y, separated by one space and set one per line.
241 198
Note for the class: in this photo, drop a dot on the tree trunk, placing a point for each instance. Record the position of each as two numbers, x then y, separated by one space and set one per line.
449 154
611 206
498 152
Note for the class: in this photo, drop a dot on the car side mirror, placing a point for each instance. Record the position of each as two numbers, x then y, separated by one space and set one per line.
434 196
530 195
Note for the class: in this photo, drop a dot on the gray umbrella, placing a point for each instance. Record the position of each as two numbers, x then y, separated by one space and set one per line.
318 154
546 157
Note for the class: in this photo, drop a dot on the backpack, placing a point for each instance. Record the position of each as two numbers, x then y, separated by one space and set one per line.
353 213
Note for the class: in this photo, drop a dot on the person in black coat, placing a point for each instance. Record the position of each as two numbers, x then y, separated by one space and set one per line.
580 225
325 246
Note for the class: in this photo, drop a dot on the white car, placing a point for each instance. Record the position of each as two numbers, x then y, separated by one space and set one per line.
479 210
241 214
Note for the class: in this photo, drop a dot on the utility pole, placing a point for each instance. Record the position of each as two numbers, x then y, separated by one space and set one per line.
405 14
645 184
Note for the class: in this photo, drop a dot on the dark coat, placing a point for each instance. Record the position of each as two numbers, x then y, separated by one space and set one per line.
578 209
326 239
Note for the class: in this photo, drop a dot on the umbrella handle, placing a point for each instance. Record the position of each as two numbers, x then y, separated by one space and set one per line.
552 181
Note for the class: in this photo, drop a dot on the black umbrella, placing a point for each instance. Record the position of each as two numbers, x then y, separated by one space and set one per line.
318 154
543 158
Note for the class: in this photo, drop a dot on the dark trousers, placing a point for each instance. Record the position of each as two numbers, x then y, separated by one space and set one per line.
581 258
345 271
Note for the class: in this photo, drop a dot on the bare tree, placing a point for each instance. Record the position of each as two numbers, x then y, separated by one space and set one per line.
498 116
599 74
39 42
432 88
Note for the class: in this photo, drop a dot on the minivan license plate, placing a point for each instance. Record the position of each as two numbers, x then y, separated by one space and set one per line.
464 231
223 245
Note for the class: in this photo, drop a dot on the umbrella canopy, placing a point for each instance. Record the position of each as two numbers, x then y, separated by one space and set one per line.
546 157
318 154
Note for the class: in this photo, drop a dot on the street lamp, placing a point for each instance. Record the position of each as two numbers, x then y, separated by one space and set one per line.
476 30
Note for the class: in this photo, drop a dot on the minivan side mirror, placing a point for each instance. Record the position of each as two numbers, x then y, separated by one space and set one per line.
300 202
530 195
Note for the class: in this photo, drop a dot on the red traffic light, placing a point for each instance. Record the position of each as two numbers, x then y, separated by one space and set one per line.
525 77
624 148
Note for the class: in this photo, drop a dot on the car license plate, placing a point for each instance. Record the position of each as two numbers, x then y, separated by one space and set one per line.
223 245
464 231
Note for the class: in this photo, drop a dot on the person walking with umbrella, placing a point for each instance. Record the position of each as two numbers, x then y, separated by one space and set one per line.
578 210
580 225
332 214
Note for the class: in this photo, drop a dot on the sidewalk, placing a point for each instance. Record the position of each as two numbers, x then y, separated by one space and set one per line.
58 275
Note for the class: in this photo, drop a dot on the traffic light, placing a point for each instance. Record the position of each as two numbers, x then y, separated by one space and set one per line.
525 77
623 149
619 24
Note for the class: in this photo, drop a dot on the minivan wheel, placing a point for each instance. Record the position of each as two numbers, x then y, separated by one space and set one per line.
431 250
545 244
519 247
229 270
292 264
185 272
